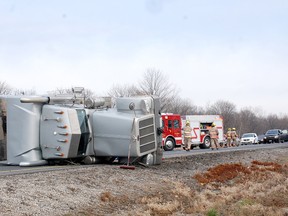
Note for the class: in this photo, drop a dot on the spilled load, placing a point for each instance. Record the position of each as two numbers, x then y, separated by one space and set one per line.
56 129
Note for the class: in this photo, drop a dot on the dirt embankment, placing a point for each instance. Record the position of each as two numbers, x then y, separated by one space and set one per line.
226 183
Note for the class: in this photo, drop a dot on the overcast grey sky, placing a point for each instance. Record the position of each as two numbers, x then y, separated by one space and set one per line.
229 50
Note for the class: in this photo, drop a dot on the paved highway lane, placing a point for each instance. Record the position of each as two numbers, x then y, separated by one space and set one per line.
14 170
178 152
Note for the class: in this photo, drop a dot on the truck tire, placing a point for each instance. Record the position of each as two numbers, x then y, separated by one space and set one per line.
169 144
206 143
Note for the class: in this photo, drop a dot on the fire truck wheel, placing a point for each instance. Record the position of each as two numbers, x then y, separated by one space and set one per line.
169 144
206 143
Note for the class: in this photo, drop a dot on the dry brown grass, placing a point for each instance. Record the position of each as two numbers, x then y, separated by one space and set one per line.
260 188
236 189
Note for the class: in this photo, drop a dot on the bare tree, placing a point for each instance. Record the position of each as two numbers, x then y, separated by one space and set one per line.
200 111
60 91
283 122
272 121
24 92
123 91
5 89
247 121
226 109
155 83
88 93
182 107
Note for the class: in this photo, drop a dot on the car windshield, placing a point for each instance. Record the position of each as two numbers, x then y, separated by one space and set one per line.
247 135
272 132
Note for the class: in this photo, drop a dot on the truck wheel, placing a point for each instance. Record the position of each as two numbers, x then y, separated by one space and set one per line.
206 143
169 144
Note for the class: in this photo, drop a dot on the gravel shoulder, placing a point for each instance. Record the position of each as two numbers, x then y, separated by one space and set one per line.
108 190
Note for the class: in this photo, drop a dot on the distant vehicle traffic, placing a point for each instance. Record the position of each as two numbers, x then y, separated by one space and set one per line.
284 135
261 138
273 136
249 138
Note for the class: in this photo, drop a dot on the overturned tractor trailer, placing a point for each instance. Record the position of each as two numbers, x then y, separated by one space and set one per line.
47 130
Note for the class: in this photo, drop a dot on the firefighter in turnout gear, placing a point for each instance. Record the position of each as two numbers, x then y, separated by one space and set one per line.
213 132
234 136
228 137
187 136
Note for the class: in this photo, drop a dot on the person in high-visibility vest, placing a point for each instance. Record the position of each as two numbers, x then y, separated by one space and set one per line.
213 132
187 136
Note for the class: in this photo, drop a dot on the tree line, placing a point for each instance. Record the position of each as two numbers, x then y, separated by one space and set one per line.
154 82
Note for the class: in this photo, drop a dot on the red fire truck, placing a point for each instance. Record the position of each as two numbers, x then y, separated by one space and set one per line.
172 130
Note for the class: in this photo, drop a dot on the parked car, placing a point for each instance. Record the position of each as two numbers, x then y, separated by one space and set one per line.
261 138
284 135
249 138
272 136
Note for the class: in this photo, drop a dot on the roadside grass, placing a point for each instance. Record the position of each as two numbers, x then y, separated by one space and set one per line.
260 188
212 212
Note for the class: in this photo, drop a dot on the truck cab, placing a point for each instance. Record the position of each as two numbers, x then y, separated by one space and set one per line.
172 131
